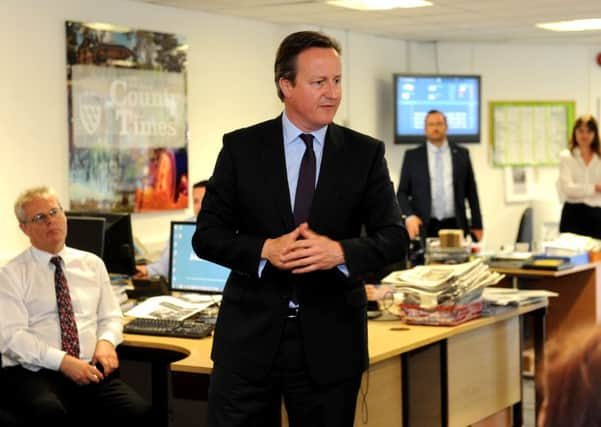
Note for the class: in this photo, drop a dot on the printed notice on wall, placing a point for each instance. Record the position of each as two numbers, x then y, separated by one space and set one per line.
529 133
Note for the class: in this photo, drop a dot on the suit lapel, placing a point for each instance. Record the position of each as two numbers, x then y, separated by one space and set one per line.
424 166
456 179
274 167
328 183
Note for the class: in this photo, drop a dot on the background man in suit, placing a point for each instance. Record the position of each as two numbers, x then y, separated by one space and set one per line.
292 322
436 179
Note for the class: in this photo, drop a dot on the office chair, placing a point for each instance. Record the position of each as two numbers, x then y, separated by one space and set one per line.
526 226
7 418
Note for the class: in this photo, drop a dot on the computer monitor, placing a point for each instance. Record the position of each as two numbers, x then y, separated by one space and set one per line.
86 233
118 252
188 272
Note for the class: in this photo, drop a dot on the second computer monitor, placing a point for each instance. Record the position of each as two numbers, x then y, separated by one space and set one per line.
188 272
86 233
118 253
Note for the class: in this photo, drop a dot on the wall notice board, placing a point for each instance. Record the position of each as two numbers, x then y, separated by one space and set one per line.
529 133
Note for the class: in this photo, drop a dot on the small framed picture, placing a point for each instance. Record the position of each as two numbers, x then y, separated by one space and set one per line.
519 184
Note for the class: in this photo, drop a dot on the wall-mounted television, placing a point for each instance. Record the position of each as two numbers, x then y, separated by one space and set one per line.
457 96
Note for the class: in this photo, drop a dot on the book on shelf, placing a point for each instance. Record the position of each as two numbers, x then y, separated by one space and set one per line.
509 259
548 263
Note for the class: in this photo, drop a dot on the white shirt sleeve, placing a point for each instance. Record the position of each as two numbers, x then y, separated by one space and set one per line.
110 318
161 266
573 182
17 341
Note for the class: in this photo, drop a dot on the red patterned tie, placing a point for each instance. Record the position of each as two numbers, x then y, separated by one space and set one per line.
69 337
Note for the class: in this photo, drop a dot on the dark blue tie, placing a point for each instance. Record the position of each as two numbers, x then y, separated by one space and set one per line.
305 186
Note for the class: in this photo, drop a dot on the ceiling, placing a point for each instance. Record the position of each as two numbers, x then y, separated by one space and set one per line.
448 20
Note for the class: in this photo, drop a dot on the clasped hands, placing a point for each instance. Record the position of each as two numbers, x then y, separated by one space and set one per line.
303 251
82 372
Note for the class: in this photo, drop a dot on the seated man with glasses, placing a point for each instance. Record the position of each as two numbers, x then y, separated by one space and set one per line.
59 327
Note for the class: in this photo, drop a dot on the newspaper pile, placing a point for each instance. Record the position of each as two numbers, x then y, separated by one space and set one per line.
431 286
568 244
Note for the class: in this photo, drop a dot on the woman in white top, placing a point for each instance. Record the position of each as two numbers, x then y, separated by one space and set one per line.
580 180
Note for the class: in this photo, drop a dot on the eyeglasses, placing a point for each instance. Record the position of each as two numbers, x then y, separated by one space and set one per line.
42 218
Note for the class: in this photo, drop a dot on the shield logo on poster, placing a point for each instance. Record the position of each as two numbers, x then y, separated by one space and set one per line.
90 112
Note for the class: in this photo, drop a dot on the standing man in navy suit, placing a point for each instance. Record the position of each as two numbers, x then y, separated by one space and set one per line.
293 319
436 180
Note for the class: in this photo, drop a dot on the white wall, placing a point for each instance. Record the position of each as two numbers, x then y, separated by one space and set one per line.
515 72
230 84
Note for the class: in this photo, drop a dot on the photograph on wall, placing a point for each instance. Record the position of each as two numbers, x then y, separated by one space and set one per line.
519 184
127 119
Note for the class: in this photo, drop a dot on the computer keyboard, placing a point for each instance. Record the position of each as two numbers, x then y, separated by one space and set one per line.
169 328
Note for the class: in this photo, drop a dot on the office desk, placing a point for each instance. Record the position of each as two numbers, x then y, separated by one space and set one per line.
418 375
579 289
450 376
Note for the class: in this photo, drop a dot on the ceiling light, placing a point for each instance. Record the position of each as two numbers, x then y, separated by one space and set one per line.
379 4
574 25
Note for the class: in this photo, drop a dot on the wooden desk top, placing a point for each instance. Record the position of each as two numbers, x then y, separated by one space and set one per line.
523 272
386 339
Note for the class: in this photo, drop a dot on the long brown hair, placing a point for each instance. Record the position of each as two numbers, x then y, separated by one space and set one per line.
573 380
590 122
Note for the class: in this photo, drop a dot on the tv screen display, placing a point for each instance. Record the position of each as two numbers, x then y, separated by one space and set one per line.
457 96
188 272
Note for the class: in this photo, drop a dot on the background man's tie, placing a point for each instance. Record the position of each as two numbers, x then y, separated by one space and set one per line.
69 336
305 186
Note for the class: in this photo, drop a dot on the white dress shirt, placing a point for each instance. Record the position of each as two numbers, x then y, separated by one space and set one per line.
294 149
577 180
30 333
447 171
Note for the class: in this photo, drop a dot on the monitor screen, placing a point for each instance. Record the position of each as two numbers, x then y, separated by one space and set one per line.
457 96
118 252
188 272
86 233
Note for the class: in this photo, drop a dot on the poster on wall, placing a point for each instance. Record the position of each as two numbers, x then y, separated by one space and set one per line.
127 119
519 184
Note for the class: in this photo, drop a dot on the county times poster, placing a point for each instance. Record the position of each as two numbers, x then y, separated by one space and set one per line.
127 119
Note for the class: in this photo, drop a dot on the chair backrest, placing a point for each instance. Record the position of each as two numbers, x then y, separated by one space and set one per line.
526 227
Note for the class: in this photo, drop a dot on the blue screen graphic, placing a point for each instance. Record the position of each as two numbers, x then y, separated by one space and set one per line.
458 97
189 272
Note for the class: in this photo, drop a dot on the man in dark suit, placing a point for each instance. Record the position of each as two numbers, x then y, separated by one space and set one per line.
436 180
292 321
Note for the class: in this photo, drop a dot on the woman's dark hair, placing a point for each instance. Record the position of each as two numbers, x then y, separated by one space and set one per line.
291 47
590 122
573 380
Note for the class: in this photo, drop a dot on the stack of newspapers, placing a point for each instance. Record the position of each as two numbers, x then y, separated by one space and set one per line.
442 294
